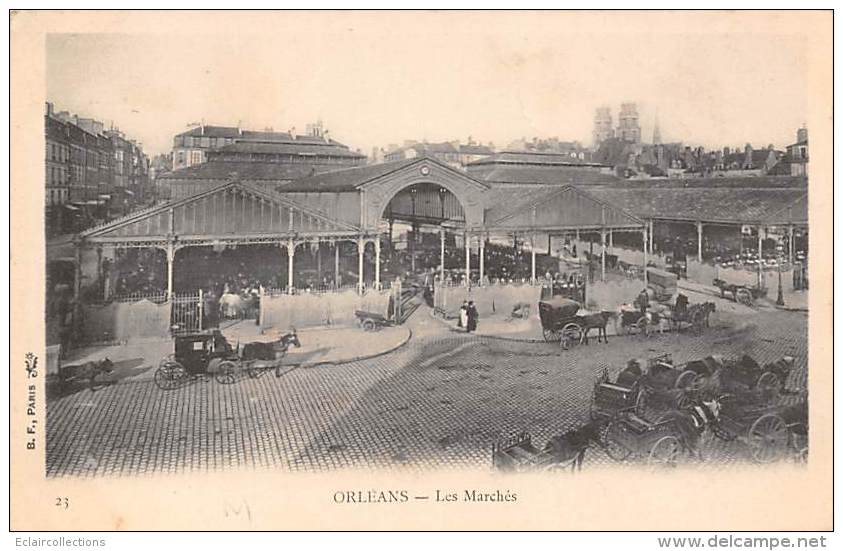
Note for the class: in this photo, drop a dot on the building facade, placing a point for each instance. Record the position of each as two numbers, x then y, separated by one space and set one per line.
88 167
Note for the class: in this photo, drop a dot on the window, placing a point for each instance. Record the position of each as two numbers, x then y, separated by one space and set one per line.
195 157
205 141
180 158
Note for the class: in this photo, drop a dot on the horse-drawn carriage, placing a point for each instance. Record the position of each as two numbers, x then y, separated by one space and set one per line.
663 284
560 322
742 294
208 353
517 453
769 431
744 377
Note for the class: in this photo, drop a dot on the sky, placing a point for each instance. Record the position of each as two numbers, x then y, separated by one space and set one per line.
377 81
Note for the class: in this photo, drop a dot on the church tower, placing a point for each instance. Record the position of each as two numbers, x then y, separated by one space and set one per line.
657 135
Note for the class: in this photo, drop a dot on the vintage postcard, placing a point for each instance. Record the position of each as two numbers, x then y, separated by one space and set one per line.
421 270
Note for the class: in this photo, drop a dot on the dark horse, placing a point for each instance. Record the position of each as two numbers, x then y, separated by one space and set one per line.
270 351
572 445
597 321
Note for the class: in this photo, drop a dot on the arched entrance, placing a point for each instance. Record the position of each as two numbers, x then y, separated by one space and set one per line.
424 225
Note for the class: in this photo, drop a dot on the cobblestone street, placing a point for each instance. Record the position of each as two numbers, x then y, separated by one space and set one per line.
438 402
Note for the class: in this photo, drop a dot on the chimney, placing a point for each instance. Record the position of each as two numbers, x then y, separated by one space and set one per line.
327 137
49 108
293 132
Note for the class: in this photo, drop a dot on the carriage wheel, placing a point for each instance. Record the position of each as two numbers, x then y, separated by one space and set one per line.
170 374
744 297
613 447
368 325
551 335
226 373
571 335
768 438
169 358
683 401
768 382
665 452
687 380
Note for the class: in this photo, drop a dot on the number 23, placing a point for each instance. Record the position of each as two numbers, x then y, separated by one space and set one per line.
62 502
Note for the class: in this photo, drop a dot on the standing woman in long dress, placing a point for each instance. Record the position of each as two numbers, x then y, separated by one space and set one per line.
463 321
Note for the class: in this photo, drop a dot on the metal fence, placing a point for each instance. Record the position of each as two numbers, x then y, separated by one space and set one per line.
186 313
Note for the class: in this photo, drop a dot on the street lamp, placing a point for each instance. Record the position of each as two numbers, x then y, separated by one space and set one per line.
779 295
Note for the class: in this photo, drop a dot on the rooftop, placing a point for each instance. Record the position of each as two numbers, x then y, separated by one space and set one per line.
728 205
296 147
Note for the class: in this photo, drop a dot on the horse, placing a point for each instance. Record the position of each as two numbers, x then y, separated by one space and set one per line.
597 321
87 370
572 445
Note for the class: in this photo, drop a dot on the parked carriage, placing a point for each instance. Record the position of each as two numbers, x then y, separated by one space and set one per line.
208 353
744 374
371 321
630 435
612 398
663 284
744 377
743 294
769 431
517 453
560 322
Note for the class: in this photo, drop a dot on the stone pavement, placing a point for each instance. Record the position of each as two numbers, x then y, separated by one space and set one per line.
438 402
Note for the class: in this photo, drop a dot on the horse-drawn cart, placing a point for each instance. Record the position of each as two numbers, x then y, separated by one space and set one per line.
371 321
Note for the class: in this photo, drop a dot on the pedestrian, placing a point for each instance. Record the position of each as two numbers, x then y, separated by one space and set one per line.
463 320
473 316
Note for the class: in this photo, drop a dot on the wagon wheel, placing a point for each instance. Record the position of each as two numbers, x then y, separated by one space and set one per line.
368 325
226 373
767 438
743 296
551 335
170 374
571 335
613 448
682 401
687 380
767 383
665 452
